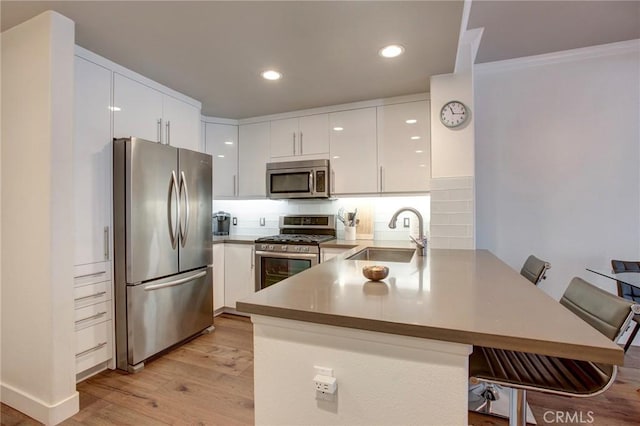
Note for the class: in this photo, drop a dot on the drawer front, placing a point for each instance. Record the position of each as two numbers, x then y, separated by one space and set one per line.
93 345
91 273
92 314
92 293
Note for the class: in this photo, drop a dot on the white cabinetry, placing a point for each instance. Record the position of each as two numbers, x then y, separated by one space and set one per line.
182 124
93 318
254 155
353 151
404 148
147 113
239 272
301 136
221 142
218 276
92 162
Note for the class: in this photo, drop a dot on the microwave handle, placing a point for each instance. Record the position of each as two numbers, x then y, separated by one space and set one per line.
312 187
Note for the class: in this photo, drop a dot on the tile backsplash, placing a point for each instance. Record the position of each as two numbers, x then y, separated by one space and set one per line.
452 213
374 213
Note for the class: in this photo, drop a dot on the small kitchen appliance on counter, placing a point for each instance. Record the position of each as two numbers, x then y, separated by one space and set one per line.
295 249
221 223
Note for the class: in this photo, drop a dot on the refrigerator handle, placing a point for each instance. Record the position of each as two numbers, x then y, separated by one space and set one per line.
173 187
184 232
176 282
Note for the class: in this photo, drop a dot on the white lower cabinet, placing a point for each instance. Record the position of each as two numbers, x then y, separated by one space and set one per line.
93 291
239 272
218 277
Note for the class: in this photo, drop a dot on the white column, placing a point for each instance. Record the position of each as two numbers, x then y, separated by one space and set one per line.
38 364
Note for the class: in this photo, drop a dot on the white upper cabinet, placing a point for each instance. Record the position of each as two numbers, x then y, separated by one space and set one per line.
92 162
147 113
137 110
181 124
298 137
221 142
254 155
404 147
353 151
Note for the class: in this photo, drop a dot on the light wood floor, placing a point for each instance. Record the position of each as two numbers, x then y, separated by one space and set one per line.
209 381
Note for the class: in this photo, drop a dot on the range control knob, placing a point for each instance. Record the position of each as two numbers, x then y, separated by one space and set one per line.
270 247
284 248
263 247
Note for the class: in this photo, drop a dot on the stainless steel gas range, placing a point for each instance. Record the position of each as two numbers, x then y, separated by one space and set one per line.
295 249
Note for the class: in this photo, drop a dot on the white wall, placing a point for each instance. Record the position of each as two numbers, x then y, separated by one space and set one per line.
38 363
558 160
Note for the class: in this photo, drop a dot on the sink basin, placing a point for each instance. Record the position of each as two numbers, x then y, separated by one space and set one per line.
384 255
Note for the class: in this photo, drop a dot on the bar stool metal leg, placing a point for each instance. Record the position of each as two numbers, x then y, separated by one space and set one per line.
518 407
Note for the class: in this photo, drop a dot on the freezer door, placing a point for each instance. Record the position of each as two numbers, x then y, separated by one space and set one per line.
195 209
152 210
164 312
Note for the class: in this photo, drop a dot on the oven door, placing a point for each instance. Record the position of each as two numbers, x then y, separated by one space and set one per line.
275 267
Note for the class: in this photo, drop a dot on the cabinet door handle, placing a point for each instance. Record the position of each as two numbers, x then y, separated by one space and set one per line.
106 243
93 349
168 132
93 274
333 180
159 130
100 293
294 143
381 180
234 186
92 317
253 253
300 143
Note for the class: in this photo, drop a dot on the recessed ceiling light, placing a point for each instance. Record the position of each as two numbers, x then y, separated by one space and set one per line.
271 75
336 156
423 165
391 51
415 138
115 108
411 121
419 151
228 142
338 129
220 156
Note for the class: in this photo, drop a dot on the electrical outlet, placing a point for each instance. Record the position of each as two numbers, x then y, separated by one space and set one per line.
325 384
262 221
235 221
406 223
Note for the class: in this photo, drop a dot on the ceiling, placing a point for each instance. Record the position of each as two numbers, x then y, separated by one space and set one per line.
214 51
514 29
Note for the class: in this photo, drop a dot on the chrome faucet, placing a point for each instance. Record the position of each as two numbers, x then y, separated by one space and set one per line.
421 242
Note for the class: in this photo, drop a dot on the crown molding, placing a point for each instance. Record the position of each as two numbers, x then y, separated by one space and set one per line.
599 51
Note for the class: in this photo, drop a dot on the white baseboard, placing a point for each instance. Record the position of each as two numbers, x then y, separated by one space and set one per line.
49 414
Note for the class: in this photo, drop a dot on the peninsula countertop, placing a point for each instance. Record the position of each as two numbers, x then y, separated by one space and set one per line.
463 296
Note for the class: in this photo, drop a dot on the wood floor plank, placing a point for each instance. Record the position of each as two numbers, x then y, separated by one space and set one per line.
209 381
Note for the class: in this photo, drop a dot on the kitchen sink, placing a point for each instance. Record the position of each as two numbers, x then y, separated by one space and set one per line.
384 255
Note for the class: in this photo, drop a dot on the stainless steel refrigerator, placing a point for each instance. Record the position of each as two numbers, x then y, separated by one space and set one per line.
162 248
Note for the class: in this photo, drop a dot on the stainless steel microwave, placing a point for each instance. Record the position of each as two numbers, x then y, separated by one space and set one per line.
298 179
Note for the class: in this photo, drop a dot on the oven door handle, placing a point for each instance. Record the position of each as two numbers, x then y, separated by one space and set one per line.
287 255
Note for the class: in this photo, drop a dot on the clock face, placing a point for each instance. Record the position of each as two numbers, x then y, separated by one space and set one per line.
453 114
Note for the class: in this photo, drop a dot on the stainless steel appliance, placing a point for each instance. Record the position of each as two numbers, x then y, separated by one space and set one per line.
295 249
162 246
221 223
298 179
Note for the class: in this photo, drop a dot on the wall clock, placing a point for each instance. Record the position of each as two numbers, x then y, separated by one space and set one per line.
453 114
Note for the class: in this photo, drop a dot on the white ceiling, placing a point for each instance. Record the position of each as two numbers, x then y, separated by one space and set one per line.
214 51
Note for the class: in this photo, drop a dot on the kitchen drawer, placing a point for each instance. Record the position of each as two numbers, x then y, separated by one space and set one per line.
92 314
93 345
91 273
92 293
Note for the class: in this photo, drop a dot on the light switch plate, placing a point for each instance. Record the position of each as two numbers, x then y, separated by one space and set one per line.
406 223
235 221
262 221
